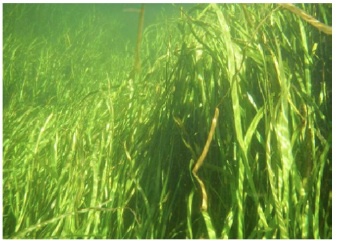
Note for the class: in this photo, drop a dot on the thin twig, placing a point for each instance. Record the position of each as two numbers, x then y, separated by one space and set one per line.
308 18
202 158
208 142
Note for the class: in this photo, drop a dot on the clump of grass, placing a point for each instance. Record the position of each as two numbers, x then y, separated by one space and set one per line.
255 175
60 133
116 159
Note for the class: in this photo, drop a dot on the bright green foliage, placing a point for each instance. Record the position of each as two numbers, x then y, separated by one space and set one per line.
90 153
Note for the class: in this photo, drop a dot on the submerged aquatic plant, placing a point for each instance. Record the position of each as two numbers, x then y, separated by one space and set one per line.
122 159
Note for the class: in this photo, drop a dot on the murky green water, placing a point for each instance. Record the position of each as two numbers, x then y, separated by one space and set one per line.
104 121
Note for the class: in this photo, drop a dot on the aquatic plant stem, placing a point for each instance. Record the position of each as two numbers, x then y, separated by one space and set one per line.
308 18
202 158
137 65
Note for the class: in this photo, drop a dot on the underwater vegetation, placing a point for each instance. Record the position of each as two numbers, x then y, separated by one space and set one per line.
220 126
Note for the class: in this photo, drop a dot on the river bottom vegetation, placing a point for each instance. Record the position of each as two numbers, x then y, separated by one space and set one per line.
223 131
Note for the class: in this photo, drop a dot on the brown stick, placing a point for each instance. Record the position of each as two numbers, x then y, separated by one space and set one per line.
137 66
208 142
308 18
202 158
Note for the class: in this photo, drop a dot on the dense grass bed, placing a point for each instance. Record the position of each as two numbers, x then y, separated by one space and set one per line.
90 151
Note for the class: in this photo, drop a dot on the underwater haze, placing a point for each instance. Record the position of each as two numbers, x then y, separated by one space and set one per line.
157 121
